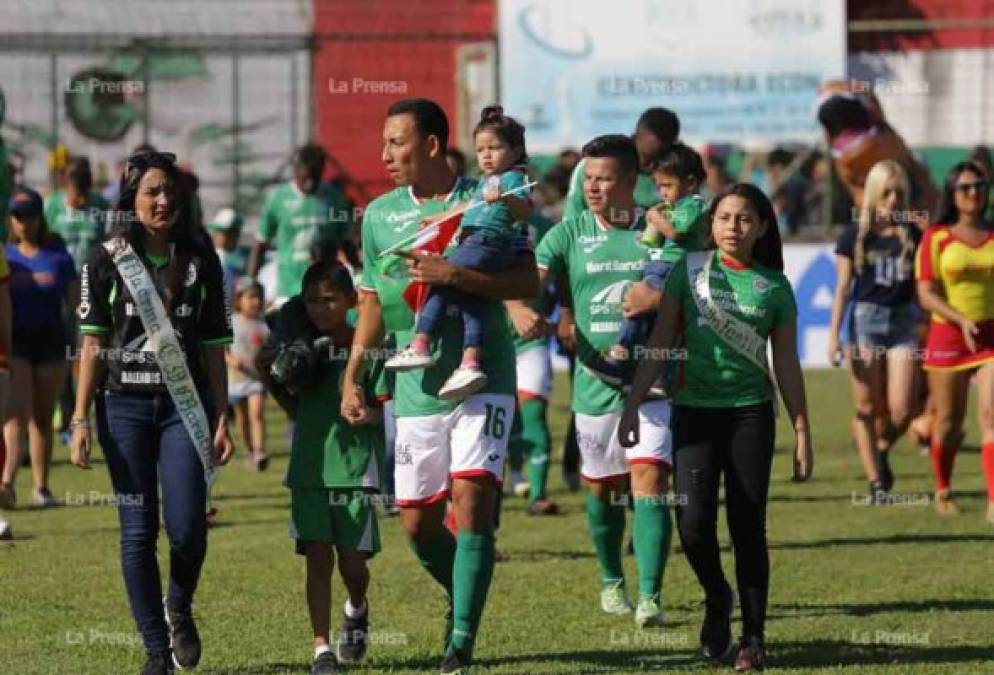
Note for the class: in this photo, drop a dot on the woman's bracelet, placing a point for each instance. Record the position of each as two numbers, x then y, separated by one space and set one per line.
79 422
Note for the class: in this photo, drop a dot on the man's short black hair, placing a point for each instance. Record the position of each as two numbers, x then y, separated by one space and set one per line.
681 161
429 118
310 155
618 147
662 122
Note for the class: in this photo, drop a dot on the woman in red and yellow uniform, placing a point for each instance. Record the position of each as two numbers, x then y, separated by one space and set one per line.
955 273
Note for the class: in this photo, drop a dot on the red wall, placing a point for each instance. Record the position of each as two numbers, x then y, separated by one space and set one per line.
962 36
405 45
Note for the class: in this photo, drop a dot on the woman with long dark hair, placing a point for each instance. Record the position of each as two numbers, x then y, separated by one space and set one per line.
42 282
155 321
728 303
955 273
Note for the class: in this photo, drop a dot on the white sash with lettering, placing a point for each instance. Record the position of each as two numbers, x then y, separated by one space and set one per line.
169 355
732 330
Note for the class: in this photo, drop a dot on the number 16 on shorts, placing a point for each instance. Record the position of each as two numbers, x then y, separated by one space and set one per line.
468 441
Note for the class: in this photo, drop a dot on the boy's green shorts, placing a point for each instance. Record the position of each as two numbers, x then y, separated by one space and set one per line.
343 517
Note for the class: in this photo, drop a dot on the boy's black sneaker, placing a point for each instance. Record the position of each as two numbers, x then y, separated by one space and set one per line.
159 663
354 638
183 636
716 631
324 664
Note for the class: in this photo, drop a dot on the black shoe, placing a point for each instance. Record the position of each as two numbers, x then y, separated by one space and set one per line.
886 475
353 639
325 664
716 631
452 664
879 495
159 663
183 637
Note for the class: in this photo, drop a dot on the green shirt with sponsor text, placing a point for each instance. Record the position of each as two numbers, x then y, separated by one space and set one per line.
81 229
388 220
714 374
602 262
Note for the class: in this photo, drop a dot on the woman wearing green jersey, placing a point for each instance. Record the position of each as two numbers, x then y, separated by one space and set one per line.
727 303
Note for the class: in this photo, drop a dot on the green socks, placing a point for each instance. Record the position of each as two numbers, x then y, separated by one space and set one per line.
607 528
535 445
437 556
472 572
653 530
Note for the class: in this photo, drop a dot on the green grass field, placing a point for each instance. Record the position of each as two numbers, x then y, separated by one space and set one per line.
854 589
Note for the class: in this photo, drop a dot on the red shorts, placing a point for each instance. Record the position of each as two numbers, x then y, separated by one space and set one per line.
945 348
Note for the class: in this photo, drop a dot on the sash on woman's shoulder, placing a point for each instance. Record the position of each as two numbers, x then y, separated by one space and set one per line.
169 354
733 331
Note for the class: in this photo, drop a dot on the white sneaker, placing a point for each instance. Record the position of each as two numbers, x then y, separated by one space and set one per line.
410 359
462 382
6 534
647 612
614 600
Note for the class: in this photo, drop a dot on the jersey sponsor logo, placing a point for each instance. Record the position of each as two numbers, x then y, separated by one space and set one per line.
625 266
403 455
760 285
141 377
83 310
607 303
612 293
591 243
129 309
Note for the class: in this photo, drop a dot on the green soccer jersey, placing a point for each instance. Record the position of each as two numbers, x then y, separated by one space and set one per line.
690 219
646 193
537 226
601 262
714 374
297 221
81 229
388 220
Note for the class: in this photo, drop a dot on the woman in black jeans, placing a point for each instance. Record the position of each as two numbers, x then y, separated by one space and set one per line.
158 364
730 302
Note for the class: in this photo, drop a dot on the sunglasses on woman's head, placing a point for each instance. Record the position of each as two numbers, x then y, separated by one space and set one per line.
147 160
979 186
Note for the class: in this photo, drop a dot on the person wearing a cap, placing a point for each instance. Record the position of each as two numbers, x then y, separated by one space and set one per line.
224 228
43 280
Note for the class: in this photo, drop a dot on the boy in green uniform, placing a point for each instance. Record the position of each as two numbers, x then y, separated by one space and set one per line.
335 465
602 253
300 214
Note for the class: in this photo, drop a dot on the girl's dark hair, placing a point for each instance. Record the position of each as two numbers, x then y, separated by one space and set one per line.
429 118
44 236
330 271
190 238
948 213
508 129
247 285
768 250
681 161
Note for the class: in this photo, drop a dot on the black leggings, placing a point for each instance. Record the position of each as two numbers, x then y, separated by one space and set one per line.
736 442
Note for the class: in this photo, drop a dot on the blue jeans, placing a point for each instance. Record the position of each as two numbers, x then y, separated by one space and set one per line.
632 330
477 251
146 446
